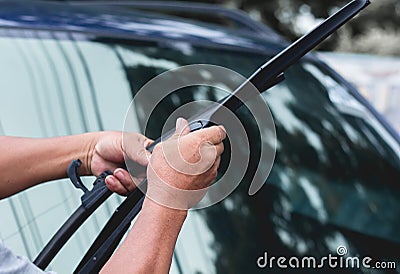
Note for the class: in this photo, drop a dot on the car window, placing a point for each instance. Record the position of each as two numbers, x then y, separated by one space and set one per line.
333 180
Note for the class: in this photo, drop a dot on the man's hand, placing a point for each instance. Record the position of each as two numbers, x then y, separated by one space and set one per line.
183 167
47 159
108 154
179 173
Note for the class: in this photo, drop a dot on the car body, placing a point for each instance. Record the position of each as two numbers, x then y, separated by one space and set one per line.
73 67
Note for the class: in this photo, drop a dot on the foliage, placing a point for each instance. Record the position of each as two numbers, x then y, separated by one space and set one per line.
378 23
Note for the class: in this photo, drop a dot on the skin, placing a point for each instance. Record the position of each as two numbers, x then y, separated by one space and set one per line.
149 246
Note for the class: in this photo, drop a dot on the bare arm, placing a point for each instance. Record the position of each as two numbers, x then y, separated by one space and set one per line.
26 162
149 246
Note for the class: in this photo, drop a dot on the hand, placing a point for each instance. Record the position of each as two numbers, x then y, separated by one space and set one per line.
108 154
183 167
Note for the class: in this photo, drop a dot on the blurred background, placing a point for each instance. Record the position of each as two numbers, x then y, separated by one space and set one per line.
366 51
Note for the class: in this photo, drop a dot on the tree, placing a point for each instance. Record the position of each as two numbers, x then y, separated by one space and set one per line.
291 18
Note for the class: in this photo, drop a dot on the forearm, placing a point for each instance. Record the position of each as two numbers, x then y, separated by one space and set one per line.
25 162
150 244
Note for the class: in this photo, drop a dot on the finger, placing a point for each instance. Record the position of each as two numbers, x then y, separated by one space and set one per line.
209 152
142 156
103 165
115 185
213 171
134 146
182 127
215 166
214 134
125 179
219 148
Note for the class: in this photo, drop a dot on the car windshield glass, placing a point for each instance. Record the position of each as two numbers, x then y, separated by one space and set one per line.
335 172
329 143
334 179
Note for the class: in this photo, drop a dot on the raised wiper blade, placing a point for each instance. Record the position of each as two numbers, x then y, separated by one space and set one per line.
264 77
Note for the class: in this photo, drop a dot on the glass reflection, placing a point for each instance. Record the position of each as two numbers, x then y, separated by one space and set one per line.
333 180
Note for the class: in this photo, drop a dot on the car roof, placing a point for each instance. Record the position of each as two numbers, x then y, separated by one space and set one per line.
131 21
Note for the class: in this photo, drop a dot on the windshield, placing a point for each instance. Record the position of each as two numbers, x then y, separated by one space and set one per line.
335 176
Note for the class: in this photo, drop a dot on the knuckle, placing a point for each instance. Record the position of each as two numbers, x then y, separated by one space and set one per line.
217 131
203 136
222 132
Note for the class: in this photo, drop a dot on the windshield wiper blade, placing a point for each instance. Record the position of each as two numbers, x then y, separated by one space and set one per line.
265 77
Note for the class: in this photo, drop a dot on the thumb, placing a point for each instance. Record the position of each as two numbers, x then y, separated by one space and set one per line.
182 127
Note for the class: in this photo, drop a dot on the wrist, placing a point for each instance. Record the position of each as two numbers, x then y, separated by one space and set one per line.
89 141
161 210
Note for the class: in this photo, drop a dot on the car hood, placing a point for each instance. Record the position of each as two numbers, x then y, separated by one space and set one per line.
108 21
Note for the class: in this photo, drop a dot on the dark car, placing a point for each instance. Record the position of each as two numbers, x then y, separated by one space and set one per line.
333 191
